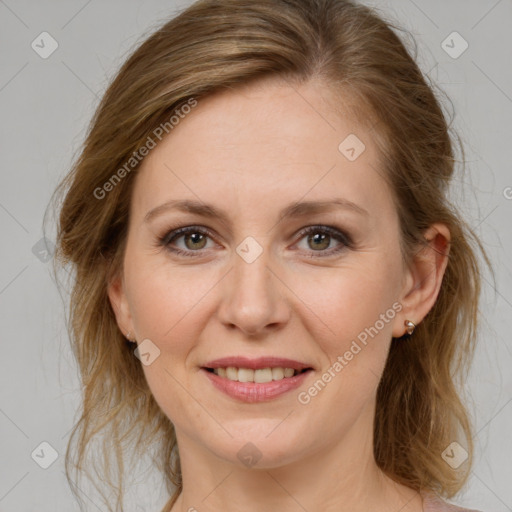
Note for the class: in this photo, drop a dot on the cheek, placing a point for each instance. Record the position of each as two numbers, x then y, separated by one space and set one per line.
166 300
355 307
354 312
167 306
347 301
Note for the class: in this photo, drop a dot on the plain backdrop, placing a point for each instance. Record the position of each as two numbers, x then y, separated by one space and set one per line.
46 105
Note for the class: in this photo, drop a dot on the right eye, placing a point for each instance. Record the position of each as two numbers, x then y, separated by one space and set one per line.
194 239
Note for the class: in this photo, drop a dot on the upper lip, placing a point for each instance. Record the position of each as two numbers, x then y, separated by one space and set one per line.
257 363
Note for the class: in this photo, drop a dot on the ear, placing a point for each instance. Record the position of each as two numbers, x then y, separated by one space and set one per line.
423 277
117 296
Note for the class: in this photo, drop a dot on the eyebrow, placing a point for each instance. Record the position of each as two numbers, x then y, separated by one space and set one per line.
296 209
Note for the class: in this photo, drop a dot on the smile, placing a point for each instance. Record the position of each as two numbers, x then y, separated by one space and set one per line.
261 376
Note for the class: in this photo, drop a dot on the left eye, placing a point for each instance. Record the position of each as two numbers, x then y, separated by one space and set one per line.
318 239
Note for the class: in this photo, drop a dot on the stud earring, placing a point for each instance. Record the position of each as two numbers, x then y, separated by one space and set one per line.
128 337
410 326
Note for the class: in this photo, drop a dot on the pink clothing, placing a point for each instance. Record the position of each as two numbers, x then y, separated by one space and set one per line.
432 503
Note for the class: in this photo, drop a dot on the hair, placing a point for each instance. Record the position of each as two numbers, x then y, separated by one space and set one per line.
209 47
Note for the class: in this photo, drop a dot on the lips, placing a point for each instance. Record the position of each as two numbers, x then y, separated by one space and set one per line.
257 363
256 380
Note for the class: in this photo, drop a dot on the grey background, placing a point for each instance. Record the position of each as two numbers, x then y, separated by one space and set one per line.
46 105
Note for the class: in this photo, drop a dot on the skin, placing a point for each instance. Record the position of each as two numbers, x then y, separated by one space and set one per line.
252 151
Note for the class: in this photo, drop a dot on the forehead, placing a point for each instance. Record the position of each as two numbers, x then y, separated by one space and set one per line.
260 145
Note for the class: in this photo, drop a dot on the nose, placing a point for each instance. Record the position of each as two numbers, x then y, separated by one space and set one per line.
253 298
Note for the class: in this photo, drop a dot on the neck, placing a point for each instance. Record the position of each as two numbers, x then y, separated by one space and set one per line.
342 477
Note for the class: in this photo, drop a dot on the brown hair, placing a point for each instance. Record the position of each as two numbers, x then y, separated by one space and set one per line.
213 45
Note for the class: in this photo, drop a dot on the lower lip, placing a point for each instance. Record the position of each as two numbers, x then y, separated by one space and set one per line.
255 391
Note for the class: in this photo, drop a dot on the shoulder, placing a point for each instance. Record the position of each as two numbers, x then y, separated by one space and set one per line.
433 503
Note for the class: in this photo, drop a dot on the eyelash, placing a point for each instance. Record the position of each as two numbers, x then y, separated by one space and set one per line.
344 238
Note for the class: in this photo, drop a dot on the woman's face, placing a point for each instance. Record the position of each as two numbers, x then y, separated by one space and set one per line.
250 283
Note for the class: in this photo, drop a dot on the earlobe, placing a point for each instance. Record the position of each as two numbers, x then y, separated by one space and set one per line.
424 277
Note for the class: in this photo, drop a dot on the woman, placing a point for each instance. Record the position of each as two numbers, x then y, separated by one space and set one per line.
271 286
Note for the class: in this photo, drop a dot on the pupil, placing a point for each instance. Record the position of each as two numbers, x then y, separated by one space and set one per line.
195 237
320 238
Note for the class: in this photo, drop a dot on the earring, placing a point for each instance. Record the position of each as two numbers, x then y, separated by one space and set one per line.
128 337
410 326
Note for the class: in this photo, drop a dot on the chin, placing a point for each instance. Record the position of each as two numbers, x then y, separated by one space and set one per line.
260 447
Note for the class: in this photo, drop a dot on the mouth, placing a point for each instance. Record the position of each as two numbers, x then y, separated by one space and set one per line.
260 375
256 380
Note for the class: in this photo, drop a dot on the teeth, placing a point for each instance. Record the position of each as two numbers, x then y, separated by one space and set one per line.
262 375
232 373
245 375
288 372
277 373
